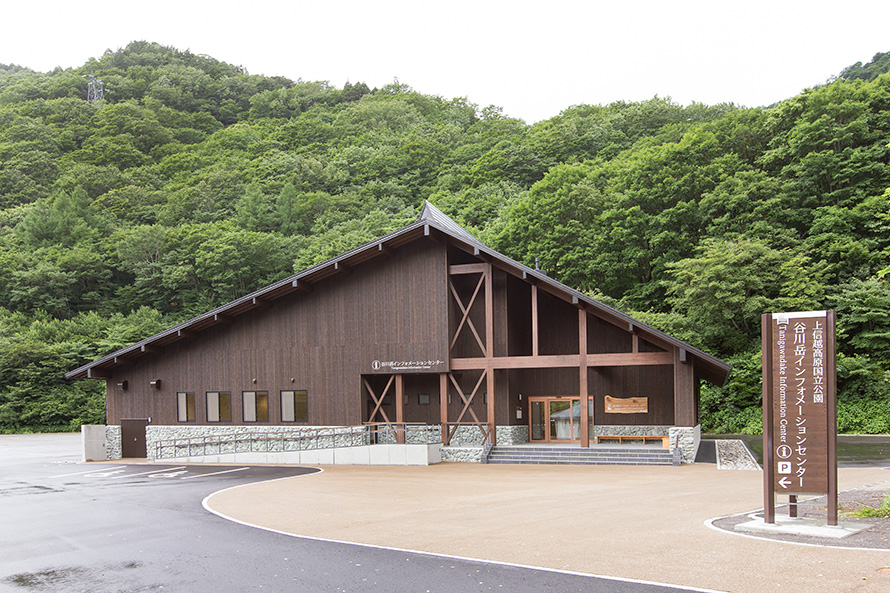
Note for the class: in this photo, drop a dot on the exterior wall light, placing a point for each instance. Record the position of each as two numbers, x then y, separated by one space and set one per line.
156 383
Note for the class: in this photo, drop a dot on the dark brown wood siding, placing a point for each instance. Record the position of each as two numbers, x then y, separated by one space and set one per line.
557 325
653 382
519 313
603 337
386 309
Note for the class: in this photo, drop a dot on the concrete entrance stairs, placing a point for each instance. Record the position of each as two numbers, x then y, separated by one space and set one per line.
595 455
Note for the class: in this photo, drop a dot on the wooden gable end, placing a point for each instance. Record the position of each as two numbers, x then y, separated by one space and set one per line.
388 310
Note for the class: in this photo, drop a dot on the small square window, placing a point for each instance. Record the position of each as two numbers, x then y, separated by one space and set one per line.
219 406
185 406
255 406
295 406
423 399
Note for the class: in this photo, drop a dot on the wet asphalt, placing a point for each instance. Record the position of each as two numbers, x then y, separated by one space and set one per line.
76 527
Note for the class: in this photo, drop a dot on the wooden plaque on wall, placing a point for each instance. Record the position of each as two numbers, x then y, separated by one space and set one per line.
626 405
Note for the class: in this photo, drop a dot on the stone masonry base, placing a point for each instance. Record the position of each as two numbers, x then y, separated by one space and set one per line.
465 446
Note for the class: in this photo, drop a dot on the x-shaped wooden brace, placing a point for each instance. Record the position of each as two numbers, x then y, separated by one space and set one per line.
467 401
379 401
466 312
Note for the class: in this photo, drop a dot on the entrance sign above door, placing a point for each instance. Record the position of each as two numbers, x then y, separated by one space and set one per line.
413 366
626 405
799 407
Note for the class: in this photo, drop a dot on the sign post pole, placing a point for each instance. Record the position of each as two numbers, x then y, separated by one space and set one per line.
769 492
831 402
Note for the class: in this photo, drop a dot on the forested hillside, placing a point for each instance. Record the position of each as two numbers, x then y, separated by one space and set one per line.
193 182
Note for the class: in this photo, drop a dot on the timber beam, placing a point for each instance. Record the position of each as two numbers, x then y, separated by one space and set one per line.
302 286
261 303
342 268
564 361
459 269
382 249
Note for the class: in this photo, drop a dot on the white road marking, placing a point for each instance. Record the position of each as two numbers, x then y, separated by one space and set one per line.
240 469
86 472
105 474
169 474
166 469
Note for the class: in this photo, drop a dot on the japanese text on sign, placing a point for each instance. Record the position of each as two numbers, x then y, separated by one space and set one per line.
800 413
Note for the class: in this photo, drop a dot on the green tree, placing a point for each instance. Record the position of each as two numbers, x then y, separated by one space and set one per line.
255 211
863 312
728 285
64 219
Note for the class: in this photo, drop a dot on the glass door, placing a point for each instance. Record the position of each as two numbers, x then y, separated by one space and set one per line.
555 419
560 416
538 420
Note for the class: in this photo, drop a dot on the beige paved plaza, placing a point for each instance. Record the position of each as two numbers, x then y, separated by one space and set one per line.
640 522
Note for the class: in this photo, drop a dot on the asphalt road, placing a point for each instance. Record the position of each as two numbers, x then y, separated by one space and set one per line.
74 527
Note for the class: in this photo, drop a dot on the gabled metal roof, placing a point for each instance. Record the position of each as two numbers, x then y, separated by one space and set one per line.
714 369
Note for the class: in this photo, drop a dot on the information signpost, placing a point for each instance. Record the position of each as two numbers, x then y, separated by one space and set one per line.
799 408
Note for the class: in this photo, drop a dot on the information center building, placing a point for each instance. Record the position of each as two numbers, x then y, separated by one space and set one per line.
426 325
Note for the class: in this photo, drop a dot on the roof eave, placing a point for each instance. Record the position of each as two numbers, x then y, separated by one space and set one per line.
430 219
250 301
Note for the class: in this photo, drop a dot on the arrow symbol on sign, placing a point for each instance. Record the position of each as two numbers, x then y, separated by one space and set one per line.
784 482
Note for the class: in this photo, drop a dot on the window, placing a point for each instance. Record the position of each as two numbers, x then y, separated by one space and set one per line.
219 406
256 406
295 406
423 399
185 406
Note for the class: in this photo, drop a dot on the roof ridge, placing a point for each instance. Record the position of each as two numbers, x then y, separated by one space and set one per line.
432 215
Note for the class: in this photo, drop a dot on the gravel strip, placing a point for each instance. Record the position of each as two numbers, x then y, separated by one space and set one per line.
849 501
734 454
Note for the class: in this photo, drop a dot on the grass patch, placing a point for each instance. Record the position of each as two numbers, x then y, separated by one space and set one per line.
881 511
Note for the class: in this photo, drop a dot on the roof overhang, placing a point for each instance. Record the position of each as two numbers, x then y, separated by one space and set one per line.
432 224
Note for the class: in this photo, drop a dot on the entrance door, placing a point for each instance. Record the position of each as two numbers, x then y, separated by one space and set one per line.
133 437
557 419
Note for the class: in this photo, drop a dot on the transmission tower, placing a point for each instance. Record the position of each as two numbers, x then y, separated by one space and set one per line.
95 89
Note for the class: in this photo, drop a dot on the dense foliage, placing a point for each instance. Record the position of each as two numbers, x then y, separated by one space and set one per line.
194 182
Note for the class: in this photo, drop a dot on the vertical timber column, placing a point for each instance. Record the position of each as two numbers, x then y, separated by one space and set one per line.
443 406
400 409
489 351
534 319
684 390
489 412
582 376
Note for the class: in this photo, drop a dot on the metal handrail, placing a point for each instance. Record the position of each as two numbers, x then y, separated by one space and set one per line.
487 446
317 438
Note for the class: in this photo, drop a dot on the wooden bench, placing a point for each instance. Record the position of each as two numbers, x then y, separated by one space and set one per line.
665 440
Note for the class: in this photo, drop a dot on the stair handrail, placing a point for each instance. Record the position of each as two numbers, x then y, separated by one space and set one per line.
487 446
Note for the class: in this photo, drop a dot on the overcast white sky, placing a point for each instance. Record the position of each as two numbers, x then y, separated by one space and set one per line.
533 59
